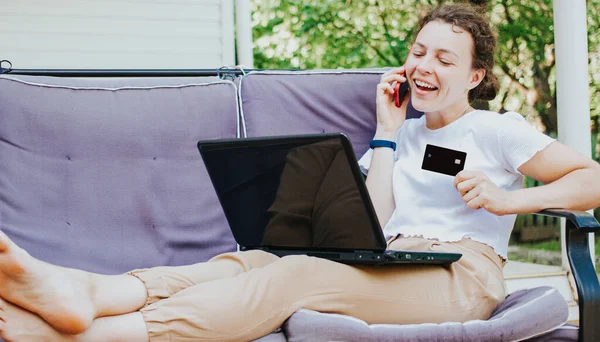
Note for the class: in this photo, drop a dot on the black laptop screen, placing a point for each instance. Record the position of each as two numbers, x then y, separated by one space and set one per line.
294 193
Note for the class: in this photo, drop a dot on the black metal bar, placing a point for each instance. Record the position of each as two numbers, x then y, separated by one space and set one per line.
582 220
579 224
127 72
8 64
586 281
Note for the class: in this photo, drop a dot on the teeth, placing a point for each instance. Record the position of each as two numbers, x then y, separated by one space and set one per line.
423 84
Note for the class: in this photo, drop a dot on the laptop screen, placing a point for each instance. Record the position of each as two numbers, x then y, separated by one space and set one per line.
291 193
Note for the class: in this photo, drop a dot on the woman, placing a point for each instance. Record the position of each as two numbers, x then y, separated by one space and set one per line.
245 295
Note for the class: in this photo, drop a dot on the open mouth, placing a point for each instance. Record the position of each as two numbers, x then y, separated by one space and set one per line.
424 86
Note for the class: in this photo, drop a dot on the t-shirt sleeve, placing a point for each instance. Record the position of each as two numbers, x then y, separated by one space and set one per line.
365 161
518 141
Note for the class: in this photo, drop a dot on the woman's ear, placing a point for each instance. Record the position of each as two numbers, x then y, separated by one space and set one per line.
476 78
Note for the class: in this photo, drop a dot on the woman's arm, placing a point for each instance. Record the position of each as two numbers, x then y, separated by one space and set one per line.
379 180
389 120
572 181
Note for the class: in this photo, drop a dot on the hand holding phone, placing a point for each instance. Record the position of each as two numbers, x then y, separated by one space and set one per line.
400 89
390 114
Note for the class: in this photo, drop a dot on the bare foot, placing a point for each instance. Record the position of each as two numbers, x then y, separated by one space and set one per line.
60 296
17 324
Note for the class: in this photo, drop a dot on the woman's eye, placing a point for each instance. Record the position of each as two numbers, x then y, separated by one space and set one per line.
418 54
445 62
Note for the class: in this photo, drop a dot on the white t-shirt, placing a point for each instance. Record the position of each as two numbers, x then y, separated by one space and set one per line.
428 205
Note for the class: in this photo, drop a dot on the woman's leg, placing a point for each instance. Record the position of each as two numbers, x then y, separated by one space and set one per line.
257 302
67 299
70 299
163 282
17 324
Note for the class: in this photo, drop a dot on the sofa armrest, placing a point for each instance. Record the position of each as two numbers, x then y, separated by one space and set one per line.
578 225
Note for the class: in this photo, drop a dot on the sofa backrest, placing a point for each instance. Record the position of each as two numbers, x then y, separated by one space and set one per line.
323 101
104 174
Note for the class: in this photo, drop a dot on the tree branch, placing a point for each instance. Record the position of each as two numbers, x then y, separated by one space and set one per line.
367 42
503 101
508 17
386 30
513 78
510 20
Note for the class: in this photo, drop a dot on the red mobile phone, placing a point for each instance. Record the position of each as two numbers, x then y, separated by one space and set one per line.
400 90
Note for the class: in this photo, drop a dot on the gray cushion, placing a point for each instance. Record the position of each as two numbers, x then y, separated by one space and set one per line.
523 315
104 174
300 102
565 333
276 336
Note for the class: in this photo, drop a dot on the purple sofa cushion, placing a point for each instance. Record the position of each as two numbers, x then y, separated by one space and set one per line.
301 102
525 314
276 336
565 333
104 174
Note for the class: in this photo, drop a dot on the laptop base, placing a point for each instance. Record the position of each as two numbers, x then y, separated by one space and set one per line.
388 257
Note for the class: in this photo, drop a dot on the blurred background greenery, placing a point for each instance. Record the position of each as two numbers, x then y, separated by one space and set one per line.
330 34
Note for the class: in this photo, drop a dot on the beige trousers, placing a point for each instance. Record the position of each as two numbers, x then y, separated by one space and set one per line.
245 295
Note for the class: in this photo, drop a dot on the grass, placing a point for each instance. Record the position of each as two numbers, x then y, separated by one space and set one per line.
554 245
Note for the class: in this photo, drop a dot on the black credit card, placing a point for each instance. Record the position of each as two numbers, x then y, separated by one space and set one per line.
443 160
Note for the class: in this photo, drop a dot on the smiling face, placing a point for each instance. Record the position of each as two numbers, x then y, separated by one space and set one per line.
439 68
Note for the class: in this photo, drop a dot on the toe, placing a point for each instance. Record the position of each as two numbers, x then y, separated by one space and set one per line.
4 242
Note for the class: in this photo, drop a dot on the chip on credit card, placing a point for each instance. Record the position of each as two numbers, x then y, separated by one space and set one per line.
443 160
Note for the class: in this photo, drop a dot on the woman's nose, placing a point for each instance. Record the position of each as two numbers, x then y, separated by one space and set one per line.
425 65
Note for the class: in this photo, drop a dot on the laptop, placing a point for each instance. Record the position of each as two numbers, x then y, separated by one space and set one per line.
303 194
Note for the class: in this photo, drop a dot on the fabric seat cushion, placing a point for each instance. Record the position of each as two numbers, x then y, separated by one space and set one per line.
524 314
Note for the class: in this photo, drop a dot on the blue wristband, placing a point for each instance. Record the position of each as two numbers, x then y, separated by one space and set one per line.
383 143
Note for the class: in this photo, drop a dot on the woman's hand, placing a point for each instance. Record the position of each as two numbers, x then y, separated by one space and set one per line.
478 191
389 117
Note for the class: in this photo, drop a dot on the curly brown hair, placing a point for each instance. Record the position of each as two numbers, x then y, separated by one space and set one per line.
470 19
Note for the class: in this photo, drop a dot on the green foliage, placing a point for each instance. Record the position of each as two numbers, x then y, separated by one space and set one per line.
593 24
322 34
332 34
